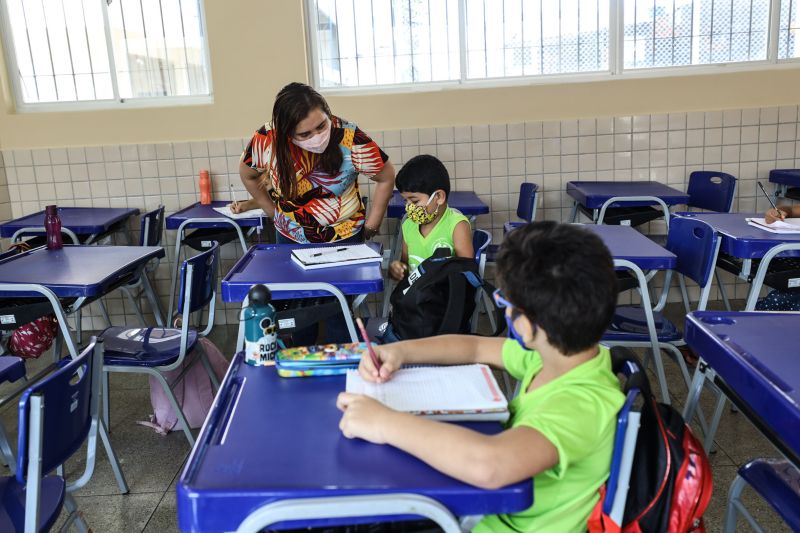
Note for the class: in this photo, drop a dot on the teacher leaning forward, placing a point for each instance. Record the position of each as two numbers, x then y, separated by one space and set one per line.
302 169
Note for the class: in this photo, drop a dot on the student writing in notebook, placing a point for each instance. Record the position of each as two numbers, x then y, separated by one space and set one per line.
780 300
781 213
560 291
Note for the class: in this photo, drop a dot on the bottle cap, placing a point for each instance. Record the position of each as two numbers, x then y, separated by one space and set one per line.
259 295
51 210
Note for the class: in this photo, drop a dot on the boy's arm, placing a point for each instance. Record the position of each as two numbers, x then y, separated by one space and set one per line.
487 461
462 240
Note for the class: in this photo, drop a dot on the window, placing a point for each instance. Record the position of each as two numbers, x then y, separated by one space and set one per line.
105 50
362 43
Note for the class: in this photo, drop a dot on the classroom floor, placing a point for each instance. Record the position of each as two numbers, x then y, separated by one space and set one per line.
152 463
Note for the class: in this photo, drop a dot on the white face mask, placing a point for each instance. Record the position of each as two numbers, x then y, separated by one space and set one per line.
318 143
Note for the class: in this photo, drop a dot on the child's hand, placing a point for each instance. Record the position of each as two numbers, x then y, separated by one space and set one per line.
398 270
390 359
774 215
362 417
235 207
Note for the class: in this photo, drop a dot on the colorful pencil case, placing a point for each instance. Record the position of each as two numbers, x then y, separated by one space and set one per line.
319 360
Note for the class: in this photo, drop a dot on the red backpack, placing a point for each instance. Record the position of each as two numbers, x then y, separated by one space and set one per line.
671 480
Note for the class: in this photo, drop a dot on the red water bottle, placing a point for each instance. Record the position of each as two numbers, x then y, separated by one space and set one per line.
205 187
52 227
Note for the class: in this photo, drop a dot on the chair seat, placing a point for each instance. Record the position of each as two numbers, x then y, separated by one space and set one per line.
11 368
508 226
149 347
12 496
777 482
630 324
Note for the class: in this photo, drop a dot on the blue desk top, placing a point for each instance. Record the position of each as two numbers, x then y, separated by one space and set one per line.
593 194
76 271
785 176
465 201
269 438
272 263
81 220
199 210
624 242
755 354
739 238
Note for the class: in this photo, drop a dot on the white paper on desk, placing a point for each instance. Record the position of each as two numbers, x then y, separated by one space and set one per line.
789 225
331 256
463 392
252 213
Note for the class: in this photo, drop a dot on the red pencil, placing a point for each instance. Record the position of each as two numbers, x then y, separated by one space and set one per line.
375 360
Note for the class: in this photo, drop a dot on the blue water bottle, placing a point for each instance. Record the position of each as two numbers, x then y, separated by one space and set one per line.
260 329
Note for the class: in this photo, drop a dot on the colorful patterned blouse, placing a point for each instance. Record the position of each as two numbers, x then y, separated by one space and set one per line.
328 207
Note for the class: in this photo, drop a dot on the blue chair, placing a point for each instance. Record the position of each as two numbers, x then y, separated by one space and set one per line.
696 246
56 416
152 228
157 350
12 369
711 190
481 240
777 481
526 206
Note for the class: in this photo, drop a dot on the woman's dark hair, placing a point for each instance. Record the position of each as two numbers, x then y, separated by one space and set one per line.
293 104
423 174
561 276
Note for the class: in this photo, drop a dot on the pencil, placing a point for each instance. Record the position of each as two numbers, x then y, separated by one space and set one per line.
375 361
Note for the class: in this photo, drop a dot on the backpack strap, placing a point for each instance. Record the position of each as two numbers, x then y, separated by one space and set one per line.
456 299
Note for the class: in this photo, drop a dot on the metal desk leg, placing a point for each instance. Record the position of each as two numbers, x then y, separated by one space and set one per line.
696 388
175 269
574 214
112 458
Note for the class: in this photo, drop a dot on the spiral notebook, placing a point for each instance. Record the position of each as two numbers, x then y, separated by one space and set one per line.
333 256
453 393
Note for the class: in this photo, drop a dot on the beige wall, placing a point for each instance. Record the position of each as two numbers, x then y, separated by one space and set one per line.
257 46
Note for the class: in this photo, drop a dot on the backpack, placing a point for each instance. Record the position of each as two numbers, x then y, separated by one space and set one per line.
438 298
194 392
671 480
31 340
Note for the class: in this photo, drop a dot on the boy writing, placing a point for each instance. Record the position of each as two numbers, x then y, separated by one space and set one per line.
430 223
560 292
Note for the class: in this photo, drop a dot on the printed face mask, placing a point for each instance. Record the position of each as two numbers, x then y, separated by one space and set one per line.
418 214
318 143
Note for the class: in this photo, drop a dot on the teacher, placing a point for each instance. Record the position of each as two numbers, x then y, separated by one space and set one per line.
302 169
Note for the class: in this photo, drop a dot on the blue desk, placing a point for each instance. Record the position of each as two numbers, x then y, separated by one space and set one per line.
598 196
743 241
271 264
82 224
784 180
270 440
751 357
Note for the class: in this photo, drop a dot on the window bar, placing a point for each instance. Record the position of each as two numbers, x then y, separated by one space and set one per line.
730 33
447 26
171 86
711 34
49 48
694 56
522 35
485 44
125 38
541 37
462 40
774 25
505 44
653 45
578 31
430 41
30 51
411 42
672 54
560 51
394 47
338 41
150 80
355 38
750 33
88 52
69 51
189 73
374 44
788 29
112 62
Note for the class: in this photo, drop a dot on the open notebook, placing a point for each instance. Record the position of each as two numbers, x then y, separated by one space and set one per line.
789 225
333 256
252 213
456 393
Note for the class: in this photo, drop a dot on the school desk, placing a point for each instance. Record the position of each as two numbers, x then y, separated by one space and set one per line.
751 357
83 225
272 265
596 197
271 451
787 182
743 244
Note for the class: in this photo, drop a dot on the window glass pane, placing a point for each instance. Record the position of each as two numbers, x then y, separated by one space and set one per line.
789 30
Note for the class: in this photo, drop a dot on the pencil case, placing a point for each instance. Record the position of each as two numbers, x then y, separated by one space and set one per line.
318 360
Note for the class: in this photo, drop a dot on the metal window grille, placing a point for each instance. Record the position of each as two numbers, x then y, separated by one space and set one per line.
789 30
87 50
666 33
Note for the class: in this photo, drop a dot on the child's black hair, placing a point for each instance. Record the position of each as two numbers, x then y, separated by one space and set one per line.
423 174
561 276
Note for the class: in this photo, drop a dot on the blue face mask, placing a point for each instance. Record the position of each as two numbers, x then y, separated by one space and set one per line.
512 331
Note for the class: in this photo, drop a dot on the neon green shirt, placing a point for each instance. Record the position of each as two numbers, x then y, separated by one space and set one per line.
441 236
577 412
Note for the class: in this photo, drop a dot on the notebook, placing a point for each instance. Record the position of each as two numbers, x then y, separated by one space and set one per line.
333 256
252 213
789 225
454 393
319 360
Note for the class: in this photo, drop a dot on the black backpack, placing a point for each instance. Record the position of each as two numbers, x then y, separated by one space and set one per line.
439 298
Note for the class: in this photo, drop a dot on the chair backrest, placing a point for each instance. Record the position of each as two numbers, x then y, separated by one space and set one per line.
481 239
696 245
711 190
152 227
70 398
199 277
526 206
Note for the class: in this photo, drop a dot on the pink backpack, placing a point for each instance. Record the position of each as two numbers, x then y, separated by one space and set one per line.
194 393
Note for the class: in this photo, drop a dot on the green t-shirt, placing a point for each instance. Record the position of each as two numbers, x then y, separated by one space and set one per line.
441 236
577 413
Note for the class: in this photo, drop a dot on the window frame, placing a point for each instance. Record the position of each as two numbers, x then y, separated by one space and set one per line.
616 70
117 102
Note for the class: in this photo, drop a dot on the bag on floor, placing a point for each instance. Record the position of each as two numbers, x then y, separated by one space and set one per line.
671 481
33 339
195 392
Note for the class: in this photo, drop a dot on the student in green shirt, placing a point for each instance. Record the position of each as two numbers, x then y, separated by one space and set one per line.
430 223
560 291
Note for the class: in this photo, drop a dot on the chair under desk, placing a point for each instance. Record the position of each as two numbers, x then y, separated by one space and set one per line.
596 197
787 182
271 453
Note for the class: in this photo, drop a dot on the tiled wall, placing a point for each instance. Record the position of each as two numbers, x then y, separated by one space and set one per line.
489 159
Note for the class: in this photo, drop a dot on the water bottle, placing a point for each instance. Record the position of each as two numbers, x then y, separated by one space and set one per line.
260 329
52 228
205 187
